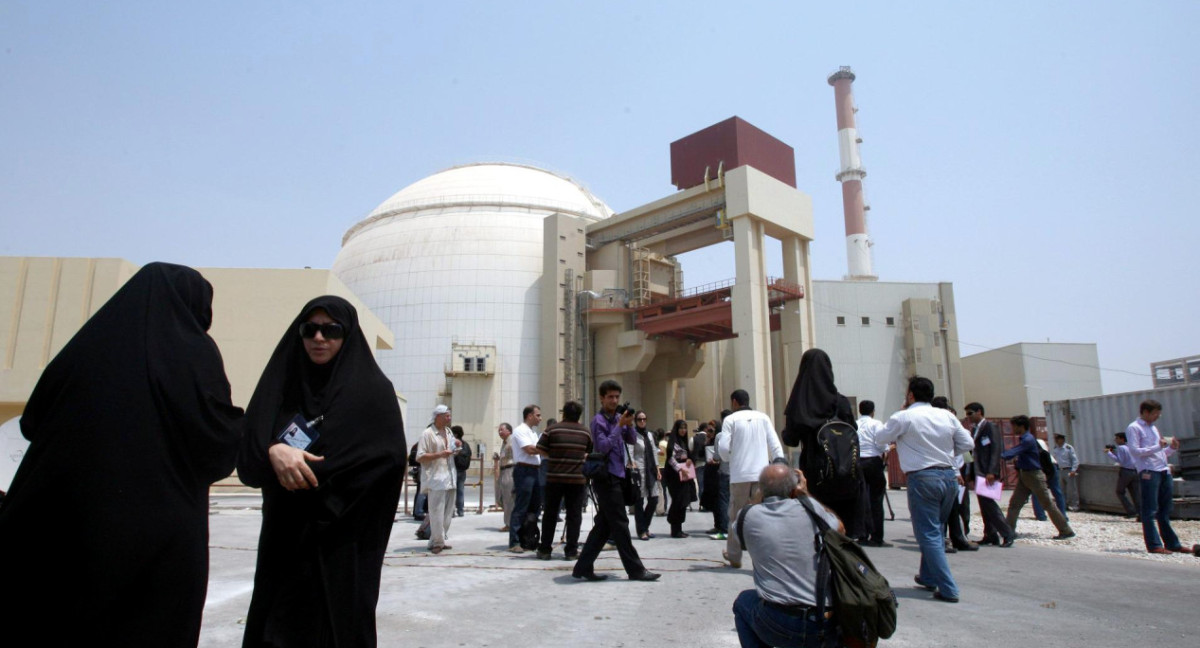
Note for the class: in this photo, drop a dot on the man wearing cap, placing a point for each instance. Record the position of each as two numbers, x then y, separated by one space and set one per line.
527 496
436 451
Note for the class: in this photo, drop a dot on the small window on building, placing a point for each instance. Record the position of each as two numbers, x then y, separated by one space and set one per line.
937 339
866 321
562 237
939 372
841 321
481 364
468 364
891 321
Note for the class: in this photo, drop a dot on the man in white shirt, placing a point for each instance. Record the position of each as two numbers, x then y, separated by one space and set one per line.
927 439
1150 451
750 445
871 464
527 460
435 451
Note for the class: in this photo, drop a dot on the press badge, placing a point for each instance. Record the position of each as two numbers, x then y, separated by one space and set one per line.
986 442
301 434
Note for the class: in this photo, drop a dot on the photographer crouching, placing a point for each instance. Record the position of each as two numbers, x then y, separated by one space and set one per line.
611 430
781 610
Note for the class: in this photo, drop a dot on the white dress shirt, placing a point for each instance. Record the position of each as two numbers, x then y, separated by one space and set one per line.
925 437
1143 443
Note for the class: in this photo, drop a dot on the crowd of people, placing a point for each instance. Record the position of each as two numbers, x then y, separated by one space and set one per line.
132 422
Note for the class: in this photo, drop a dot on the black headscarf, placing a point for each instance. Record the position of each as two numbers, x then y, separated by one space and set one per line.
321 551
814 400
128 426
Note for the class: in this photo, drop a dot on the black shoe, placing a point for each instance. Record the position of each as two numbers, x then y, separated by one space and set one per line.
880 543
923 585
1008 543
970 546
678 534
591 576
950 549
712 531
942 597
990 541
646 576
543 556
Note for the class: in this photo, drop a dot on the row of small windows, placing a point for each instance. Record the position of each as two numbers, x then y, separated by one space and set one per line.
866 321
475 364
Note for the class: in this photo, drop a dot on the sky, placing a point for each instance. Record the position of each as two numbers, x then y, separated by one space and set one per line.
1040 156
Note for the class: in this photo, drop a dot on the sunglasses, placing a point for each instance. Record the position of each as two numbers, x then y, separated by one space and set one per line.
329 330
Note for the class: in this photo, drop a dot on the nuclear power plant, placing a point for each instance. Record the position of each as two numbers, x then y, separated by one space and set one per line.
492 286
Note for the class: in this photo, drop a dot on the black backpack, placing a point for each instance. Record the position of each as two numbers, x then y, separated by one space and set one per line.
864 605
832 465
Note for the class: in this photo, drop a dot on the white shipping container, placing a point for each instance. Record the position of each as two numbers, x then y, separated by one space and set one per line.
1090 423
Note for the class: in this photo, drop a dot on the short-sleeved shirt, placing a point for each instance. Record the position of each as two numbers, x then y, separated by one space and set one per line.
779 536
523 436
567 445
438 474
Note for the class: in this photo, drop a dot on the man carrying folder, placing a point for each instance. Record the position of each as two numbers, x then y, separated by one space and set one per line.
987 470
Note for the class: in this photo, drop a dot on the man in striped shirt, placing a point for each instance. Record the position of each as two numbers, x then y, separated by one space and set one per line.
565 446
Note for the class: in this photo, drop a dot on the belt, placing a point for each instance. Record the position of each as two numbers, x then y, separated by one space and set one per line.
509 466
929 468
522 463
794 610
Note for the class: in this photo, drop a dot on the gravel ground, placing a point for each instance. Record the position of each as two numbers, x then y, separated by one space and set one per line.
1099 533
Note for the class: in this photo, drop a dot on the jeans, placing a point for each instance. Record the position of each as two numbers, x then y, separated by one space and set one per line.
931 495
460 497
1055 492
1156 507
420 503
575 496
721 515
760 625
527 498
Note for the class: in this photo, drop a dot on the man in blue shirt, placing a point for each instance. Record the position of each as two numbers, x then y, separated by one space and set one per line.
1031 479
1127 475
610 433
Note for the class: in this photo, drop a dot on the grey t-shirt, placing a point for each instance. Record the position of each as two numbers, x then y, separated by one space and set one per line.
779 536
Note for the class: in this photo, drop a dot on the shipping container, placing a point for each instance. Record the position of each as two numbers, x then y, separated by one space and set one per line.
1090 423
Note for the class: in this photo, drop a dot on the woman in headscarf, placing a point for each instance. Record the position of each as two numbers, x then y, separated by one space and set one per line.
814 401
328 507
679 477
104 532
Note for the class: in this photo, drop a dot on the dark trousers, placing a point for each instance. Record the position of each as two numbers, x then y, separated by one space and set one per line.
954 525
611 523
680 498
995 527
527 499
1127 480
876 482
721 515
643 511
964 508
574 496
461 496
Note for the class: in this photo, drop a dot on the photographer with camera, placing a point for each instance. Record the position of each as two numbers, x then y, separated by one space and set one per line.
612 428
1127 475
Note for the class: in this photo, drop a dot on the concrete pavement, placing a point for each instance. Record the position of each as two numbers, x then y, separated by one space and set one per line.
477 594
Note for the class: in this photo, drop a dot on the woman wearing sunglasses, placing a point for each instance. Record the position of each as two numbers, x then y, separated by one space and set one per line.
325 442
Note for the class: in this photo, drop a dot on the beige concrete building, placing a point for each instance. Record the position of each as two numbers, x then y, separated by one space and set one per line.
1020 378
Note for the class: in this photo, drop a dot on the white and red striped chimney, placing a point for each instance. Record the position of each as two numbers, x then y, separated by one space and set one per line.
850 174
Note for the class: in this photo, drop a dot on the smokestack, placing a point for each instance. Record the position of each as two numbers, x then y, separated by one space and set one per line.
850 174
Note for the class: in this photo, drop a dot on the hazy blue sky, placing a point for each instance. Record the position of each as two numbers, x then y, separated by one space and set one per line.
1042 158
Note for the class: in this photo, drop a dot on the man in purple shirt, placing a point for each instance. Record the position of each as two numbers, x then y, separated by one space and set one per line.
1150 451
1127 477
610 433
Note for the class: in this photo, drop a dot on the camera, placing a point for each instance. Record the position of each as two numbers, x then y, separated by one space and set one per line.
1110 447
624 407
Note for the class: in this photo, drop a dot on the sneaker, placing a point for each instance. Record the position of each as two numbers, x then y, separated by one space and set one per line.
516 549
718 536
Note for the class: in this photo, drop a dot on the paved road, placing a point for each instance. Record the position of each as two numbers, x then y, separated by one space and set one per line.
479 595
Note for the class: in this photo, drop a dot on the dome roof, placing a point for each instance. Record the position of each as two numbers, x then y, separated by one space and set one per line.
495 185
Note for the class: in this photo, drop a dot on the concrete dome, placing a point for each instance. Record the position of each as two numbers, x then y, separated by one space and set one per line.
457 258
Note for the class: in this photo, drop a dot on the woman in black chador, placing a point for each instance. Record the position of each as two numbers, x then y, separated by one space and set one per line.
814 401
104 533
327 507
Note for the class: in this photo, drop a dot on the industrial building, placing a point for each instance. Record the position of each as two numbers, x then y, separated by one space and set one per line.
1020 378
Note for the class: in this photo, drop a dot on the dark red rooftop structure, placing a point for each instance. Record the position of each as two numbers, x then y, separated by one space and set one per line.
727 145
